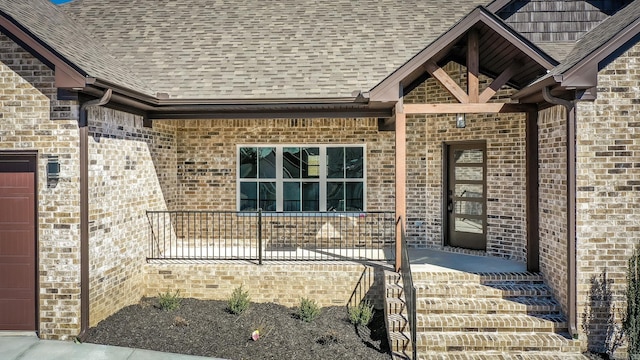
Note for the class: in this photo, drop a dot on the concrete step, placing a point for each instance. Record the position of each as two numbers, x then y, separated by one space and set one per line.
499 355
488 341
491 323
513 305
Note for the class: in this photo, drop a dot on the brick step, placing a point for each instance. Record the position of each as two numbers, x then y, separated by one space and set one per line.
484 341
499 355
472 290
398 323
395 306
513 305
480 278
399 342
491 323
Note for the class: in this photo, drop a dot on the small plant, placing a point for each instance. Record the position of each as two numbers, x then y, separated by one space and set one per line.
631 323
361 314
169 300
308 310
239 301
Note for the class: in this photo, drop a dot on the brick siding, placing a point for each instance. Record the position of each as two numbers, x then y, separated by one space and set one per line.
34 119
505 141
608 188
132 169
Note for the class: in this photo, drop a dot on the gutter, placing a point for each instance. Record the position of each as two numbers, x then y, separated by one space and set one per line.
570 107
83 127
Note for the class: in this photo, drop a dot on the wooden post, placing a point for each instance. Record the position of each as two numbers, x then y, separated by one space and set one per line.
533 217
473 67
401 177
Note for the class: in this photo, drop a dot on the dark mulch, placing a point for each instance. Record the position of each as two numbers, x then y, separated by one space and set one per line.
206 328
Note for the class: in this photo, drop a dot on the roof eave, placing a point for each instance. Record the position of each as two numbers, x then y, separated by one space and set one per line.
162 108
584 73
67 74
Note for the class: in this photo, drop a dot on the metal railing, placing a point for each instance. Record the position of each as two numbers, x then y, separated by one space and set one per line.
409 290
259 236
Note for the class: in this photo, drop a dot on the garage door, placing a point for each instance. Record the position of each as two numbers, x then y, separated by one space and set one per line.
17 243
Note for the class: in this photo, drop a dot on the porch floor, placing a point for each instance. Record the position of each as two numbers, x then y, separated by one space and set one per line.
445 261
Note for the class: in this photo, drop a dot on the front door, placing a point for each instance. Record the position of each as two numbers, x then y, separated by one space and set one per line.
465 195
17 242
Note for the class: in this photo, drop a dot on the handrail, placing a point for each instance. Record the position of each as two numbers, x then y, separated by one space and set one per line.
261 236
409 290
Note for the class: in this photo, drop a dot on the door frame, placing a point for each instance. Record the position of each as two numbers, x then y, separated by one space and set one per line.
446 145
31 158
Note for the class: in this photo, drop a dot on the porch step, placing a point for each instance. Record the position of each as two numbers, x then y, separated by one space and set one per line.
453 342
479 316
431 289
500 355
517 323
509 305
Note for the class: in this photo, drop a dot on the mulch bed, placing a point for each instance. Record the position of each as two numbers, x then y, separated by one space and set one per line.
206 328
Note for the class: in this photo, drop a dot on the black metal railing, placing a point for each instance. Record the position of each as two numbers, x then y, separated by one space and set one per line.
257 235
409 290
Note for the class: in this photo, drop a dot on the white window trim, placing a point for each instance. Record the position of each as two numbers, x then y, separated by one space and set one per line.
322 179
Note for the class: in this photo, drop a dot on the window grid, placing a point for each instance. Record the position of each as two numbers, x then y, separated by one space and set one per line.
322 180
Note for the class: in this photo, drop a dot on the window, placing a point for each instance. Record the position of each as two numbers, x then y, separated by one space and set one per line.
301 178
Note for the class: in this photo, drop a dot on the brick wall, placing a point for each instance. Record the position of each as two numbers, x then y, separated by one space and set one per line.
132 169
34 119
207 152
330 284
553 200
505 141
608 189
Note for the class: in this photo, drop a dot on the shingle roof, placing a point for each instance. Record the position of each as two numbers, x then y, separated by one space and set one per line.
599 36
66 37
221 49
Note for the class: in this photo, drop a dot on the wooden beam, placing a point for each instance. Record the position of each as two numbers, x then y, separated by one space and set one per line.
487 108
443 78
473 66
401 179
497 83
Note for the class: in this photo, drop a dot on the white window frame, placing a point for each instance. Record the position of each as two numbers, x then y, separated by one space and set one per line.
322 179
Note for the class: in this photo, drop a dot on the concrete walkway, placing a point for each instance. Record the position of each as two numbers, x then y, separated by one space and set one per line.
32 348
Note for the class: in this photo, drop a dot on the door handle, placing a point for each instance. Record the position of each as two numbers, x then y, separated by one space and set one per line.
450 205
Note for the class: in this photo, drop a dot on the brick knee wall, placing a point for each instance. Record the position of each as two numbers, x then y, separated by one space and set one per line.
330 284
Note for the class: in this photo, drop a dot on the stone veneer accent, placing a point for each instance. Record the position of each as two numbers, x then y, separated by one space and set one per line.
132 169
34 119
330 284
608 188
505 139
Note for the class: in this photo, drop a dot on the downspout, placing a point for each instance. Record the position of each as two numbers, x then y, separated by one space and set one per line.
83 127
570 106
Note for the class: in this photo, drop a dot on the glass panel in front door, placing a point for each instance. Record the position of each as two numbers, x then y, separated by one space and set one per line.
466 196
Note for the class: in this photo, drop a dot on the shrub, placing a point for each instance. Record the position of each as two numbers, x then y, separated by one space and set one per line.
239 301
631 323
308 310
361 314
169 301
